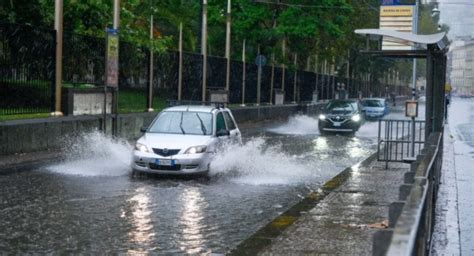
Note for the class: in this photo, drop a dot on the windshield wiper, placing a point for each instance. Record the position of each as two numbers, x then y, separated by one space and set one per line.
203 128
181 124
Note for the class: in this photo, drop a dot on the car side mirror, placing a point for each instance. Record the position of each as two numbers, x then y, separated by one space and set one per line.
222 132
143 129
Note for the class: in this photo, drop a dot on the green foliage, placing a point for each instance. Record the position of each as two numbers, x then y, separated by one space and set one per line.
309 28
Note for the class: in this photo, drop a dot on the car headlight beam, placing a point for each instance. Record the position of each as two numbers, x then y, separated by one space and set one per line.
322 117
142 148
196 150
356 118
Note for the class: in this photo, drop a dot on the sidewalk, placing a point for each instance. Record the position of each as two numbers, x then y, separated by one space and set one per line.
454 229
340 220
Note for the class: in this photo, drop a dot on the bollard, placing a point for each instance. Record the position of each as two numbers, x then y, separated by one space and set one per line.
409 177
394 211
381 241
404 191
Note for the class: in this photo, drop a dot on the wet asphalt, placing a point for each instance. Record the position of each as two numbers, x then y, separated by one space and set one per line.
90 202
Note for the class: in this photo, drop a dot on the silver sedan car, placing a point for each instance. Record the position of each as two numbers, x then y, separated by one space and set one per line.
184 139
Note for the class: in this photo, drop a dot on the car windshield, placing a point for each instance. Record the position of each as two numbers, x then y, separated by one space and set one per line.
341 106
183 122
372 103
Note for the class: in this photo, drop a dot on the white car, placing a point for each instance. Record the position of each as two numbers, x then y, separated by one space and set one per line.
375 107
184 139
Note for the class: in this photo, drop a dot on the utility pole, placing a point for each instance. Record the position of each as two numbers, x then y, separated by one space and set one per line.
227 46
295 78
243 73
413 92
116 25
283 48
180 64
204 49
150 82
58 26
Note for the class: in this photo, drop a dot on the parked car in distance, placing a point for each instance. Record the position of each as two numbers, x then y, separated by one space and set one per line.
375 107
341 116
184 139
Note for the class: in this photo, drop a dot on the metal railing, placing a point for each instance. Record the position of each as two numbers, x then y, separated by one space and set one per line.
395 138
414 227
27 60
26 69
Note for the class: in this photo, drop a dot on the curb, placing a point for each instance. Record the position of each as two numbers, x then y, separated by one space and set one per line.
265 235
27 166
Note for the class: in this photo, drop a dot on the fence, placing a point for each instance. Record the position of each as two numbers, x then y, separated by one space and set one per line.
27 73
413 216
395 137
27 62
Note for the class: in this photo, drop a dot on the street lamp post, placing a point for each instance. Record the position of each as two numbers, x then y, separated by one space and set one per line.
58 26
413 90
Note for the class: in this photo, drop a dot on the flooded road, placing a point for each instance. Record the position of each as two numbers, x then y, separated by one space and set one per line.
90 202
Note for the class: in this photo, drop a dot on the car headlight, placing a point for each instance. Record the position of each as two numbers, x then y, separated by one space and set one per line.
142 148
322 117
356 118
196 150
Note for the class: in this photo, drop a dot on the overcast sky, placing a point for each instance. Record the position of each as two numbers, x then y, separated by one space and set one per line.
459 15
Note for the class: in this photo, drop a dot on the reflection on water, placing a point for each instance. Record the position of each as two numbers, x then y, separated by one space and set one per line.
43 212
142 234
320 144
191 220
356 148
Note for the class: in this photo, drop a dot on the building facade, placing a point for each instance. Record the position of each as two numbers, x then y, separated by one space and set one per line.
461 72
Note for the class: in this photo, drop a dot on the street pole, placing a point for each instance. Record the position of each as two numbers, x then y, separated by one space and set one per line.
227 46
259 83
116 25
272 78
58 26
348 73
180 64
243 73
295 79
283 47
316 79
150 82
204 49
413 90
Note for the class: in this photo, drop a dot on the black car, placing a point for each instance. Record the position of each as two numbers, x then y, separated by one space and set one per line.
341 116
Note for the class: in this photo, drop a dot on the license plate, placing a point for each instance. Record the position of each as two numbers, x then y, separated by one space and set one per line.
167 162
337 124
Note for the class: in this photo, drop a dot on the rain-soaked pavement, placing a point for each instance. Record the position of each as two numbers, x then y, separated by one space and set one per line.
454 230
90 203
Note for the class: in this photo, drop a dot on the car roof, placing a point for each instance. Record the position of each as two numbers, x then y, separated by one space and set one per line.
373 99
193 108
343 100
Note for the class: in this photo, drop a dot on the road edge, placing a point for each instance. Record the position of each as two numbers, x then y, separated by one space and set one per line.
265 235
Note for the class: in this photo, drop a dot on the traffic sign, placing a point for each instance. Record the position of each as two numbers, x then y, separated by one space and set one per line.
261 60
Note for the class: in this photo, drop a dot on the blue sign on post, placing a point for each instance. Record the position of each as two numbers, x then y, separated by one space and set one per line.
261 60
398 2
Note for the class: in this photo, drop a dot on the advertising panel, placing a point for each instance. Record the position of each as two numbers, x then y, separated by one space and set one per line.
112 58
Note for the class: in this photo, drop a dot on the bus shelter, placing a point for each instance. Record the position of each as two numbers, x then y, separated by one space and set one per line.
433 48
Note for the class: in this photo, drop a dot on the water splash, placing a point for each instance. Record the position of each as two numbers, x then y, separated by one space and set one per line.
94 154
298 125
255 163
